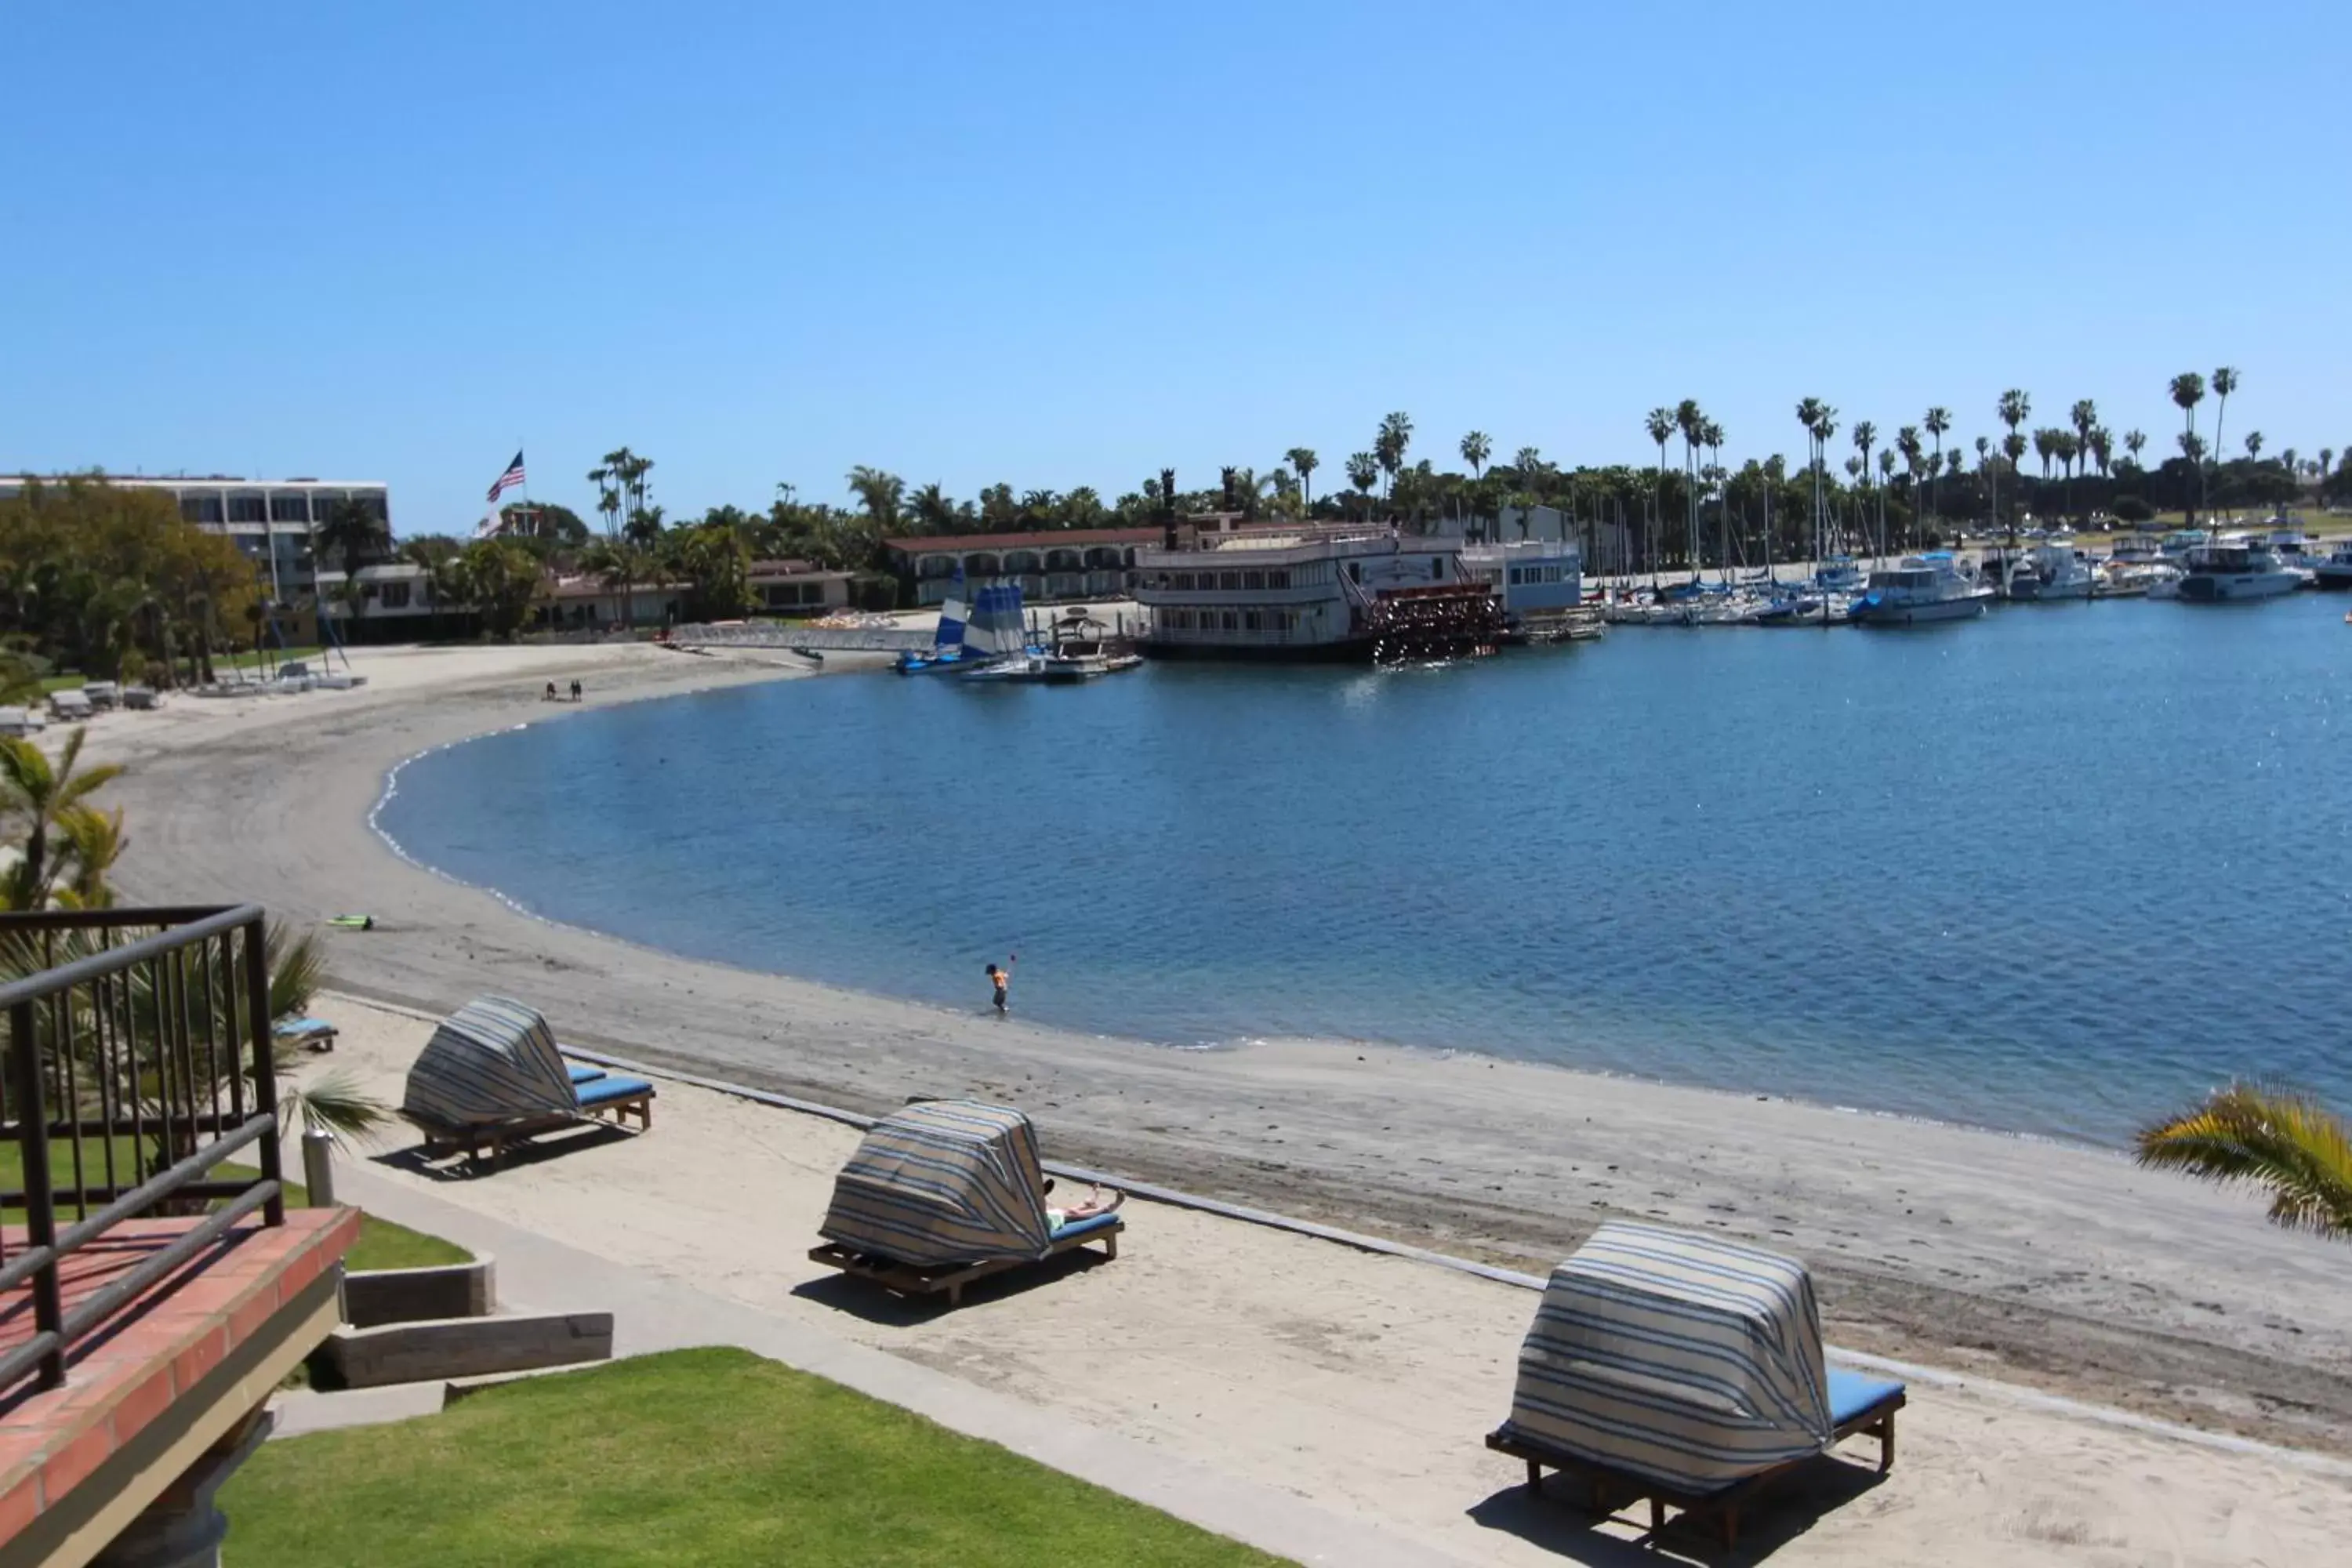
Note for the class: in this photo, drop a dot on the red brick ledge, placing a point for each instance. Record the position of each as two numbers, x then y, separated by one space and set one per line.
120 1382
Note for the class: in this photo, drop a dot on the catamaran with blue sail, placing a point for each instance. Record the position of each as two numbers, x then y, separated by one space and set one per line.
949 649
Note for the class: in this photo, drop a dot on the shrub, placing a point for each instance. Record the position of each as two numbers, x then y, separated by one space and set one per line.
2132 510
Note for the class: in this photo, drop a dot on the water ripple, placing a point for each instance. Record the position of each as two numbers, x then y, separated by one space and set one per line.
2051 872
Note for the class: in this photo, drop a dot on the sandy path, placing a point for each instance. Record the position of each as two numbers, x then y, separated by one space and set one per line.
1362 1383
2035 1262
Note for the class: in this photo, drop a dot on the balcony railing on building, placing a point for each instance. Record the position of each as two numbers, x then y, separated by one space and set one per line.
137 1061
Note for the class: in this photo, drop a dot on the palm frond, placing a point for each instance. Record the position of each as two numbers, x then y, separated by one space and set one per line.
335 1105
297 969
2282 1141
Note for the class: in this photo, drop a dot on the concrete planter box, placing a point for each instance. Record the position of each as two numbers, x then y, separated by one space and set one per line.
464 1347
381 1296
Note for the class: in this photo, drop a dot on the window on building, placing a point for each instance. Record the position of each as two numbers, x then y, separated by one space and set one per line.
1253 580
247 506
1250 622
1516 573
1355 570
201 508
1229 579
1185 580
1279 578
1229 625
290 506
396 595
1437 568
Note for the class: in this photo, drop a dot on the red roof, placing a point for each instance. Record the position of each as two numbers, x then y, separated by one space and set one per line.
1046 539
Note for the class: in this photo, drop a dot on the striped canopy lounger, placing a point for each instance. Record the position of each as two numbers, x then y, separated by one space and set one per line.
1682 1369
944 1193
491 1076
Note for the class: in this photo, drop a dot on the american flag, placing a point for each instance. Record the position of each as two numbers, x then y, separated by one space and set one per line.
508 480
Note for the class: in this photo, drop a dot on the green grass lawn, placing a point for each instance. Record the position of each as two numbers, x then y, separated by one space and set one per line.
381 1244
714 1457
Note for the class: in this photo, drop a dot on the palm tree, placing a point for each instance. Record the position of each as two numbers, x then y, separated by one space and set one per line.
1689 419
1661 426
2045 446
1363 468
34 794
2067 447
1710 436
2133 441
2225 382
354 530
2188 391
2327 461
2012 409
1939 420
2281 1141
879 493
2084 418
1389 445
2103 447
1476 449
93 843
608 499
1302 462
2253 442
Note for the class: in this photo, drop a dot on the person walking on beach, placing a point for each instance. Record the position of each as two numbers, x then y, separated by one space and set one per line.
575 691
1001 979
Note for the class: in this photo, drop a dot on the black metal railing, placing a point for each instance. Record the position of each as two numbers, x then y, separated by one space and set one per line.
137 1058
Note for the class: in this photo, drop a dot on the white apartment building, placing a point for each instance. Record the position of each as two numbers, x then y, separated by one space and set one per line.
271 520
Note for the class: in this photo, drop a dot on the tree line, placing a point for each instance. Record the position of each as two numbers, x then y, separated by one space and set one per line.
114 583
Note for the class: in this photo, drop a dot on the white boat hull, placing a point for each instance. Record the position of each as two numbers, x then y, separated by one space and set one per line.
2034 590
1961 609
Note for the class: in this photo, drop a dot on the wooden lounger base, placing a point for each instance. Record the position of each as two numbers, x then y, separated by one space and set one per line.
1607 1489
489 1145
948 1280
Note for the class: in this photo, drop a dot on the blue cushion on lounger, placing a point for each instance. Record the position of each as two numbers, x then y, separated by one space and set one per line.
302 1028
1850 1394
582 1073
1087 1227
607 1089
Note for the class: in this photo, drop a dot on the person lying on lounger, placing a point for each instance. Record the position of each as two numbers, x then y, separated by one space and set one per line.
1095 1206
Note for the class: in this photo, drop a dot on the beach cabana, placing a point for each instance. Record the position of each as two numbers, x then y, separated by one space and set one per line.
943 1193
491 1076
1684 1369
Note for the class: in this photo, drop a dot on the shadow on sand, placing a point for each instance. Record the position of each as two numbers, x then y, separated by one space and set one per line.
865 1299
1556 1520
546 1146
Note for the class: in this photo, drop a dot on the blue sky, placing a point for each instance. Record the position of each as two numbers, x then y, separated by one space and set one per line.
1057 245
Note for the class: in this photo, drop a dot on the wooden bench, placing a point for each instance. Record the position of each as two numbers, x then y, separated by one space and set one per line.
1608 1489
949 1279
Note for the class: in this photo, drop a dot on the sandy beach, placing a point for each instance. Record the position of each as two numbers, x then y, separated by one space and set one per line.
2057 1267
1360 1383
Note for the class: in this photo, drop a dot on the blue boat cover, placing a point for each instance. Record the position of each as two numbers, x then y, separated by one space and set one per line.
1687 1360
947 1181
492 1060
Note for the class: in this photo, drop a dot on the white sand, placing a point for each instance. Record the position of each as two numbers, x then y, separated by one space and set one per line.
2059 1266
1361 1382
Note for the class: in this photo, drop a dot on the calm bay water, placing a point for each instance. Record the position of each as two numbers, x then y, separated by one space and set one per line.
2051 872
